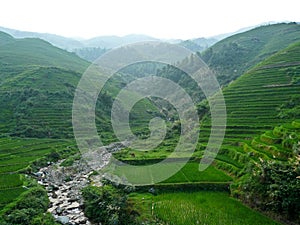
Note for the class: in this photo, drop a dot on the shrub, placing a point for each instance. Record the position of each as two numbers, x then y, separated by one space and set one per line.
30 206
274 186
107 205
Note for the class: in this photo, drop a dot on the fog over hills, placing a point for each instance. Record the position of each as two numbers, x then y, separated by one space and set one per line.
92 48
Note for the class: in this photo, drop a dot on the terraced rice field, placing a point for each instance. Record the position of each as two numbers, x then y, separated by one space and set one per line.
181 208
190 173
17 154
253 104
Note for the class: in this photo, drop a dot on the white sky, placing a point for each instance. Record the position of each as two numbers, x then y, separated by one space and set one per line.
158 18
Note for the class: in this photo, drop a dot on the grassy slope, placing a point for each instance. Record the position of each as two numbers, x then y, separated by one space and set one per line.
32 51
234 55
36 85
255 103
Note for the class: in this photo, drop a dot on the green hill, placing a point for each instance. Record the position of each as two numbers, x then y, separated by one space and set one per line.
36 84
33 51
5 38
265 97
233 56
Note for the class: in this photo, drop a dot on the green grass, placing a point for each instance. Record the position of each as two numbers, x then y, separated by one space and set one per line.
205 208
9 195
10 180
38 52
162 151
11 168
38 83
190 173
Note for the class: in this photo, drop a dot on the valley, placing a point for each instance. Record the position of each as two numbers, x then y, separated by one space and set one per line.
254 178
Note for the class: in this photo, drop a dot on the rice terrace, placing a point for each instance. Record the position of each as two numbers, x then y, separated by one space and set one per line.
47 177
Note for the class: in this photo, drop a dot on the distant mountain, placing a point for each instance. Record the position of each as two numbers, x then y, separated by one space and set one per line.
5 38
95 47
88 49
59 41
198 44
90 53
220 37
91 49
203 43
105 42
115 41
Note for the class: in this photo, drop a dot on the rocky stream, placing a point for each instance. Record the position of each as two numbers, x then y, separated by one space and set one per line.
64 185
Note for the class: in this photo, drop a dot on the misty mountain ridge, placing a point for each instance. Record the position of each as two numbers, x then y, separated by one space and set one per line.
92 48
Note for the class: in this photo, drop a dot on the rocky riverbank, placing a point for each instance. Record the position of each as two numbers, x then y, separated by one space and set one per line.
64 185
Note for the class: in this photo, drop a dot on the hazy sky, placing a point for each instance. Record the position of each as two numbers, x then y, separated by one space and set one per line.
159 18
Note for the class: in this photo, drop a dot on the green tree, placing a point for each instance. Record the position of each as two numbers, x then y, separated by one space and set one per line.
275 186
107 205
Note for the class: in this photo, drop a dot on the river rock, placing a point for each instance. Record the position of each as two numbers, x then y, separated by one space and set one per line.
62 219
74 205
64 185
59 210
54 195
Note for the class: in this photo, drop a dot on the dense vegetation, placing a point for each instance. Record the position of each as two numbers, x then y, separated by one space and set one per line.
167 208
29 209
108 205
254 103
273 185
